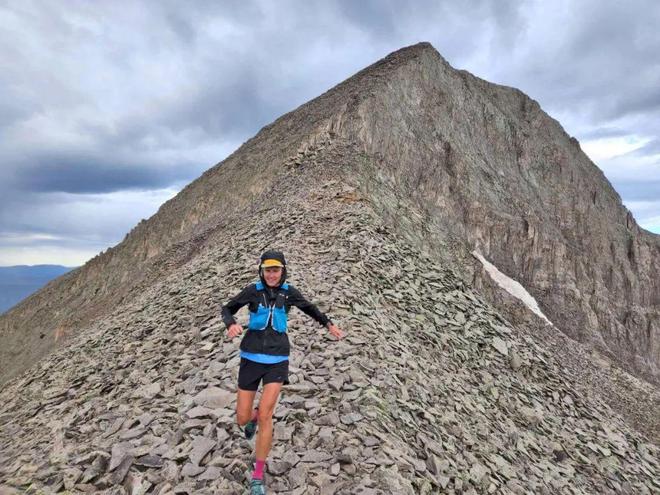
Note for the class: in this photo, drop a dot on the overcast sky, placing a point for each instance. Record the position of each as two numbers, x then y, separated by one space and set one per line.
109 108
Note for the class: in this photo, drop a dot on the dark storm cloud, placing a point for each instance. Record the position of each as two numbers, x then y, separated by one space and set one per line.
602 59
376 18
231 107
81 173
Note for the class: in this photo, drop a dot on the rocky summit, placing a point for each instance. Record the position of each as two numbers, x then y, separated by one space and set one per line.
382 195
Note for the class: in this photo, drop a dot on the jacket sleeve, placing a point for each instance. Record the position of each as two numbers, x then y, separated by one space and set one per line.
235 303
298 300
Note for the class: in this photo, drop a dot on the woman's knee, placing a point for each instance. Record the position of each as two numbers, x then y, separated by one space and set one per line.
242 418
265 414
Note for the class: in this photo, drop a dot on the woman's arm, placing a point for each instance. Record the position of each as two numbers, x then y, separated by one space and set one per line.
298 300
235 303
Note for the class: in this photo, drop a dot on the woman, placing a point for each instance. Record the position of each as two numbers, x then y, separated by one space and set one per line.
265 350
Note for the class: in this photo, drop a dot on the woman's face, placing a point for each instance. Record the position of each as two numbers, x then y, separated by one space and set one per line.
272 275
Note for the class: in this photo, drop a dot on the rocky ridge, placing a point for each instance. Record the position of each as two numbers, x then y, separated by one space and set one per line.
431 391
482 162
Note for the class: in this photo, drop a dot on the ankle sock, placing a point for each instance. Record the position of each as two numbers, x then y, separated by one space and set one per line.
258 473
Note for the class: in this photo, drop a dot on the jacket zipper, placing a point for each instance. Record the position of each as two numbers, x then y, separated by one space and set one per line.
263 340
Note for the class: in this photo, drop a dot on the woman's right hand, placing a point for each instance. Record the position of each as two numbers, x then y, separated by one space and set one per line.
234 330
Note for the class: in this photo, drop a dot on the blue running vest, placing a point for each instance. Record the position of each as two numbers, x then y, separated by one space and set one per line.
275 313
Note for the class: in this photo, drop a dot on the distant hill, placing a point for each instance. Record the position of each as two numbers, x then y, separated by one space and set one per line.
18 282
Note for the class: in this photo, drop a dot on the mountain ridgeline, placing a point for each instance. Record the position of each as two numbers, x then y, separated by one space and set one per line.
386 193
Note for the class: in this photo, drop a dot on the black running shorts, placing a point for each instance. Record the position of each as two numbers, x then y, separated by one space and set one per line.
250 373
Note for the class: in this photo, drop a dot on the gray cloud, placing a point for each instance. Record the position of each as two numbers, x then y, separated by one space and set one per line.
81 173
639 190
650 148
603 132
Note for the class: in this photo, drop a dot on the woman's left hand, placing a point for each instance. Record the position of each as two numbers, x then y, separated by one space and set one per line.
334 330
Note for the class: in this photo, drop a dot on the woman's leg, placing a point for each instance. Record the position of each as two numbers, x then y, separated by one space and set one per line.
244 402
267 403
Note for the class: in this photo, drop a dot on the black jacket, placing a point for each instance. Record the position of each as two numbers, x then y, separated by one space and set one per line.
268 341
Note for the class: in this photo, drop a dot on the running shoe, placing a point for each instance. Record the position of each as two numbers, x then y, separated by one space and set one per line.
257 487
250 429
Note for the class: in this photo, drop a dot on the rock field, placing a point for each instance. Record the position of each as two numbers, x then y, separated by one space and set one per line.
431 391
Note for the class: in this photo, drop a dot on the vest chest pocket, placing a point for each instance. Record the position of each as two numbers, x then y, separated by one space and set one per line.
279 319
259 318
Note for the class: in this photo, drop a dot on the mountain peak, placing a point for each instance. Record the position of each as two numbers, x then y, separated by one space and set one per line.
407 54
395 197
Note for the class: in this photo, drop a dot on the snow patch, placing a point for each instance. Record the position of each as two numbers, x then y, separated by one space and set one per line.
511 286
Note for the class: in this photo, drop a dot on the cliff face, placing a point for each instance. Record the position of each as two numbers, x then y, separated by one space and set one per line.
485 164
